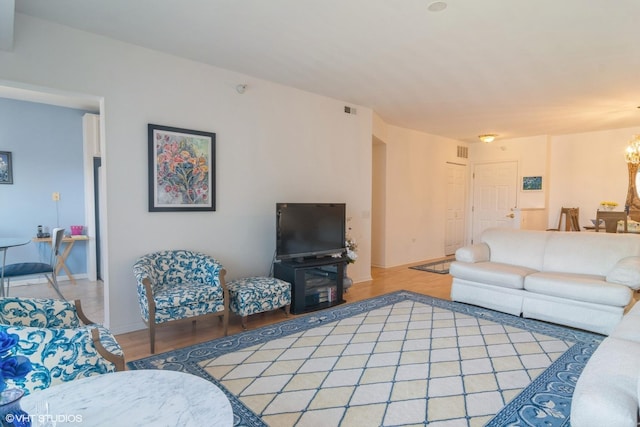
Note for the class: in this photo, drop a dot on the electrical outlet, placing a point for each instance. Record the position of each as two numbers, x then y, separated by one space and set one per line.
55 196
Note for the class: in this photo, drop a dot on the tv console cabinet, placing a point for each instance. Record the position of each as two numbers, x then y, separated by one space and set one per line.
315 284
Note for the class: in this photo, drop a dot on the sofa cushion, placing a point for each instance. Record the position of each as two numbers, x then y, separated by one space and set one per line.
491 273
578 287
626 272
588 253
607 390
524 248
169 297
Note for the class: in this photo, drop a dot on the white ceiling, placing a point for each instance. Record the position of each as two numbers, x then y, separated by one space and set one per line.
511 67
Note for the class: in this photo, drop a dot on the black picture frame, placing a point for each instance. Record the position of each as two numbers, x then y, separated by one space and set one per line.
6 167
182 169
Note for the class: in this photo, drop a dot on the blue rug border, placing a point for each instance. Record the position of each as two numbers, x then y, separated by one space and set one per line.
562 374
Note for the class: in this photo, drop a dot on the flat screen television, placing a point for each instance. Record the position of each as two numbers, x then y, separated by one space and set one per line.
305 230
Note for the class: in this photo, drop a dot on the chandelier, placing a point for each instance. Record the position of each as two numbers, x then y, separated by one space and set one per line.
632 153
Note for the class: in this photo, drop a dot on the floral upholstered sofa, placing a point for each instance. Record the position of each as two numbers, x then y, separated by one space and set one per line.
59 341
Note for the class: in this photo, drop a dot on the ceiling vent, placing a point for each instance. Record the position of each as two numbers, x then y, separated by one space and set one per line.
463 152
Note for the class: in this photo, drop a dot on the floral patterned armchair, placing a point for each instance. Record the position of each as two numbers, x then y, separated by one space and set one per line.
59 341
180 284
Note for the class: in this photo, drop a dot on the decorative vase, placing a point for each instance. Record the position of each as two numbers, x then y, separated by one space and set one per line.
346 280
11 414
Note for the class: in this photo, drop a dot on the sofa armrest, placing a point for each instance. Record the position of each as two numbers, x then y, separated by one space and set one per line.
626 272
478 252
56 356
113 354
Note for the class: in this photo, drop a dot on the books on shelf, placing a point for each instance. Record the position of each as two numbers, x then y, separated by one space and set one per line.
320 294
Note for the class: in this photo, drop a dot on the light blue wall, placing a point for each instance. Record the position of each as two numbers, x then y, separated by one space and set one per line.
46 146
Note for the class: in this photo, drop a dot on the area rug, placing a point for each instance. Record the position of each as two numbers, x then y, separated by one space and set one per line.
399 359
440 267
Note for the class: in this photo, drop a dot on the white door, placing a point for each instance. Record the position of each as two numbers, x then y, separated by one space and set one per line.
455 216
495 189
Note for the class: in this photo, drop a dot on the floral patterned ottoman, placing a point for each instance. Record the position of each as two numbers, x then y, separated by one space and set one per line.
253 295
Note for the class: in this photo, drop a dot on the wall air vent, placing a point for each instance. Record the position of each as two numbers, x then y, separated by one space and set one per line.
349 110
463 152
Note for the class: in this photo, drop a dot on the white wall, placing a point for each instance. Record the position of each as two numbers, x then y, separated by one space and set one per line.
274 143
532 156
531 153
586 169
415 192
579 170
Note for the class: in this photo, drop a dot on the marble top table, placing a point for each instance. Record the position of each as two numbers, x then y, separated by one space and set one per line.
146 397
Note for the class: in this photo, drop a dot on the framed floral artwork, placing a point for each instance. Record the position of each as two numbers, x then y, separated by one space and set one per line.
6 168
181 169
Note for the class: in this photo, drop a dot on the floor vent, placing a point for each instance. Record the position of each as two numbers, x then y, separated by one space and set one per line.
463 152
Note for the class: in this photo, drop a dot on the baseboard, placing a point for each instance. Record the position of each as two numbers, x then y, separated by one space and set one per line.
41 279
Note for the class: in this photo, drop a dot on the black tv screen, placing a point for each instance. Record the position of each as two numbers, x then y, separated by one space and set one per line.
309 229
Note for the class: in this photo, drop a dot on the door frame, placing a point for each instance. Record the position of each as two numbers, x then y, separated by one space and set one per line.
465 210
91 149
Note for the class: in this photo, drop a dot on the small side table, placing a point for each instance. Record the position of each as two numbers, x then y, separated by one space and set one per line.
62 257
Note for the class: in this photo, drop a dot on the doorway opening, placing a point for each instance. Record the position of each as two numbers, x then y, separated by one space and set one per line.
41 95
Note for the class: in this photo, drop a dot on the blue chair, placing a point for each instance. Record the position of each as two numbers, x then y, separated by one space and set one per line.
33 268
180 285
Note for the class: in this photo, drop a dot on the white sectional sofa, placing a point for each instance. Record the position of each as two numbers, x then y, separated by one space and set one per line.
607 390
584 280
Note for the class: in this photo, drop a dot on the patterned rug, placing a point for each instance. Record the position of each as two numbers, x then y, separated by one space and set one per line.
399 359
440 267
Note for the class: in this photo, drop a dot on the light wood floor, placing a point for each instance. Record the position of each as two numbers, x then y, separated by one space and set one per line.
136 344
90 294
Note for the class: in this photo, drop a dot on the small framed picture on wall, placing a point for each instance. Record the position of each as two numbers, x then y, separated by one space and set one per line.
531 183
6 168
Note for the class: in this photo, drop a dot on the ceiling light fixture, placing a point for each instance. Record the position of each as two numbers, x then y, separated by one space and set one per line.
241 88
437 6
487 137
